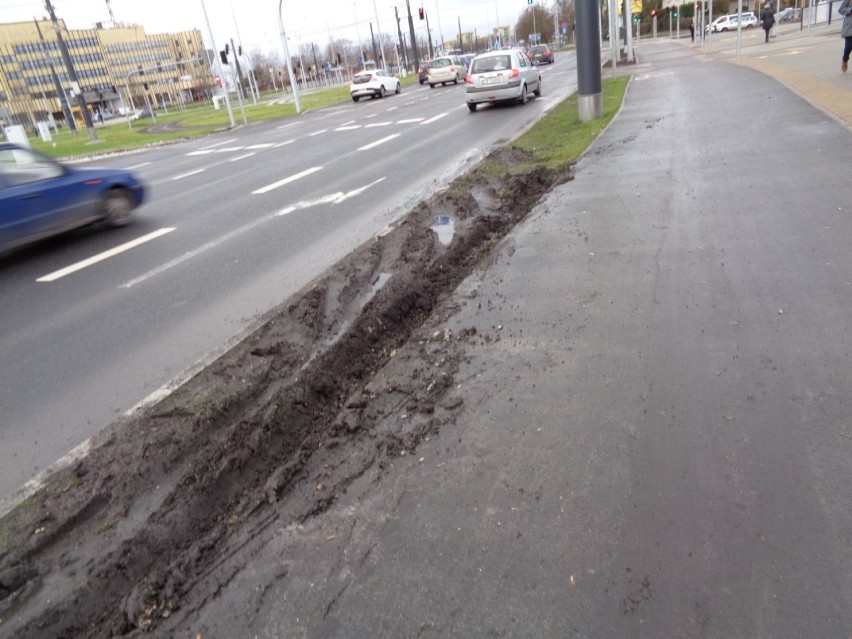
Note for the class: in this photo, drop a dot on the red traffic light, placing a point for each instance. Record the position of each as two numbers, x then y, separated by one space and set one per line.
653 12
422 13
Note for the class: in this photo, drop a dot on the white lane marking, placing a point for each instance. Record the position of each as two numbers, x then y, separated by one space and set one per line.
280 144
391 108
310 135
334 198
201 152
437 117
210 146
137 166
372 115
185 175
286 180
73 268
378 142
230 149
287 126
375 124
348 128
410 121
193 253
348 123
265 145
242 157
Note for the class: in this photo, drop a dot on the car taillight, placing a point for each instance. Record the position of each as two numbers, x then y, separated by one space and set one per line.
468 79
515 73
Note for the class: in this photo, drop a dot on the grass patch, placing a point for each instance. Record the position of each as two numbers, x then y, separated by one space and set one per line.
558 139
107 525
5 538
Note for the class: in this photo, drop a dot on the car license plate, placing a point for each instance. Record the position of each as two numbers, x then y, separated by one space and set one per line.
494 80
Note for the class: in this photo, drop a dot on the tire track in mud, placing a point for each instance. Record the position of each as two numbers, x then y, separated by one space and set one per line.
139 529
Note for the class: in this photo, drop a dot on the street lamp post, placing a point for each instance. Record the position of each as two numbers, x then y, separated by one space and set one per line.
293 85
219 67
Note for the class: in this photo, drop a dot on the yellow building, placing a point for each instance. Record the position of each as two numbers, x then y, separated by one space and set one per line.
117 68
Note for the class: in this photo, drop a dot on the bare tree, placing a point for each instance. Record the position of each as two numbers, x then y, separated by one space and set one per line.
535 20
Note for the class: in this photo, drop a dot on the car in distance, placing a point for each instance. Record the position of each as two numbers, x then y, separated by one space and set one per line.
748 21
446 69
423 71
501 76
790 14
40 197
541 53
375 84
729 22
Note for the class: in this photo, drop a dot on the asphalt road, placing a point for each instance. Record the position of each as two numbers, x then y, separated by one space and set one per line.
235 223
655 436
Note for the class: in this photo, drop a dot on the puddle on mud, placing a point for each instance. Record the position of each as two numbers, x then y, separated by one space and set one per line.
444 227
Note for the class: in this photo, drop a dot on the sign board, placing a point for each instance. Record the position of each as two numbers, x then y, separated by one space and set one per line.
635 7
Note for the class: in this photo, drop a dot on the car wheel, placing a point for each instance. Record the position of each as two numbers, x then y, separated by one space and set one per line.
117 207
431 86
398 88
382 91
537 91
355 98
422 81
456 81
471 106
523 98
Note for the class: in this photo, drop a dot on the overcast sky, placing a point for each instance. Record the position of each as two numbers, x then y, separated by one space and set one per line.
257 20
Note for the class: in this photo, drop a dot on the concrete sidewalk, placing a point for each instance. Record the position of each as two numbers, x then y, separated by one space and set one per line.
654 439
806 60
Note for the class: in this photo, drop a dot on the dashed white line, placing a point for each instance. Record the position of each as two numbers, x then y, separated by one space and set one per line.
375 124
286 180
220 143
348 123
391 108
137 166
280 144
230 149
265 145
435 118
186 175
287 126
242 157
203 152
348 128
410 121
310 135
378 142
73 268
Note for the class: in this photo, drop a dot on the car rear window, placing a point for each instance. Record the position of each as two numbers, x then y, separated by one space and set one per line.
491 63
441 63
538 48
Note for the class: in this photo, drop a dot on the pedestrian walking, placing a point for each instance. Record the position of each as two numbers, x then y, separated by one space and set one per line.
846 32
767 19
692 29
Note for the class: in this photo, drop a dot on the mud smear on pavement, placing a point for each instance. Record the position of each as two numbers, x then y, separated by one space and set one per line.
128 537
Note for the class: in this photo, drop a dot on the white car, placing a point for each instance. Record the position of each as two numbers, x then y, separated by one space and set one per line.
501 76
376 84
445 69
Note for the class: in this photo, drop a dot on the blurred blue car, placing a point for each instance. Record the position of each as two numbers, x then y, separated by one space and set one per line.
40 197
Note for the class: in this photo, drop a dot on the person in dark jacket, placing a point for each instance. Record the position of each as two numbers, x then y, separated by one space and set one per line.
845 10
767 19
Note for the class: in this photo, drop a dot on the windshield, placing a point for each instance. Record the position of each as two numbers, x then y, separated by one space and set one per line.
442 62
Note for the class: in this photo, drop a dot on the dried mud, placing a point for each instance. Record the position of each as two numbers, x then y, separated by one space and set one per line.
121 542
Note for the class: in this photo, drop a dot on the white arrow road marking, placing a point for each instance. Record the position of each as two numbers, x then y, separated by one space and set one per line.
287 180
437 117
186 175
334 198
378 142
73 268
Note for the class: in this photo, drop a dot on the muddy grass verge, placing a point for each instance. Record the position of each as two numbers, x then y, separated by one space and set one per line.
115 545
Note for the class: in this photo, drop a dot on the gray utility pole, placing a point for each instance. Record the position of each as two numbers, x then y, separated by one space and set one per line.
461 43
239 81
590 102
411 35
429 35
218 62
60 93
401 41
375 50
72 74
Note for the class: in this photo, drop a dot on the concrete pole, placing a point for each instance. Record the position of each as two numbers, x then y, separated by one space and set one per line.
218 63
294 84
590 100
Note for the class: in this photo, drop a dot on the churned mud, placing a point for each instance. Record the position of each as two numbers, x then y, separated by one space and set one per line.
127 539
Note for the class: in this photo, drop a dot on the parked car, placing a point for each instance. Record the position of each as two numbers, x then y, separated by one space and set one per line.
790 14
541 53
40 197
446 69
423 72
501 76
729 22
374 83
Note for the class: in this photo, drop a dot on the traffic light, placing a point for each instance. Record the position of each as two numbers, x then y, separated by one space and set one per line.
224 55
422 13
674 12
653 12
